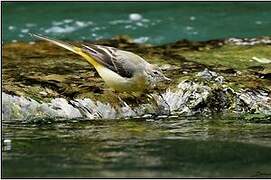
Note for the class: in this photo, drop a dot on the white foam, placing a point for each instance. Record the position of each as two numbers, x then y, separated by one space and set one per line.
119 21
189 28
141 39
60 30
258 22
68 20
24 30
30 25
249 42
129 26
11 28
195 33
192 18
80 23
67 26
135 17
139 24
57 23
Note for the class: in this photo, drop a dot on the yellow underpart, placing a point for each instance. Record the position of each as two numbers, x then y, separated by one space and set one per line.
88 58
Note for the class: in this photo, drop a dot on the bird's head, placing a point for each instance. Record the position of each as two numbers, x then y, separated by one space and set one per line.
155 75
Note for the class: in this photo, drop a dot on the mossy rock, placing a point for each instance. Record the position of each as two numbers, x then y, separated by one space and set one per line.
42 71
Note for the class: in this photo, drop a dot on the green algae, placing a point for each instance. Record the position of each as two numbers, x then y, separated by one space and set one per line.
231 56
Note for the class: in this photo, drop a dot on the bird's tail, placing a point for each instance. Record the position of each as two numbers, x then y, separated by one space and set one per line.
69 47
65 45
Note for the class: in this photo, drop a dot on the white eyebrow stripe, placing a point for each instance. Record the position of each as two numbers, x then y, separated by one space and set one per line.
106 50
111 50
91 49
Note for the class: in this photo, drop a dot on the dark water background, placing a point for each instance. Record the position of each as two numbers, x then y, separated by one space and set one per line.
160 22
171 147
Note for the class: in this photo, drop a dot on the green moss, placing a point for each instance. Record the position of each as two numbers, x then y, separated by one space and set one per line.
231 56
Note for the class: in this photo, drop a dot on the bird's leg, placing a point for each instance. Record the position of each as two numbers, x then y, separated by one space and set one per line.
116 97
165 102
132 98
122 101
137 97
152 98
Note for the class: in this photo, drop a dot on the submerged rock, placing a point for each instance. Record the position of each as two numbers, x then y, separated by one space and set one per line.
41 80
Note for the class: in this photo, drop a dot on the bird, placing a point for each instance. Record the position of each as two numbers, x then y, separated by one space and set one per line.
121 70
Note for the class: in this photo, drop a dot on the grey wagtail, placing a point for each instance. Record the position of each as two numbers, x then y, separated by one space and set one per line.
122 71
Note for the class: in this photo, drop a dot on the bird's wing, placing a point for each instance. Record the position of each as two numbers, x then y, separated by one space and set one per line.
122 62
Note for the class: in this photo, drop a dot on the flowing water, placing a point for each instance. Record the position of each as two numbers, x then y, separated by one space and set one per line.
154 23
137 147
171 147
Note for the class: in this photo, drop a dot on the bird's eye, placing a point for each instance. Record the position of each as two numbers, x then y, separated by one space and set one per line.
155 72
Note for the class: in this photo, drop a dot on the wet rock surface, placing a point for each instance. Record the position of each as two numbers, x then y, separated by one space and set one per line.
212 77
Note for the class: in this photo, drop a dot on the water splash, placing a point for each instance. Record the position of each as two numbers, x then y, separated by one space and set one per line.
188 98
249 41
